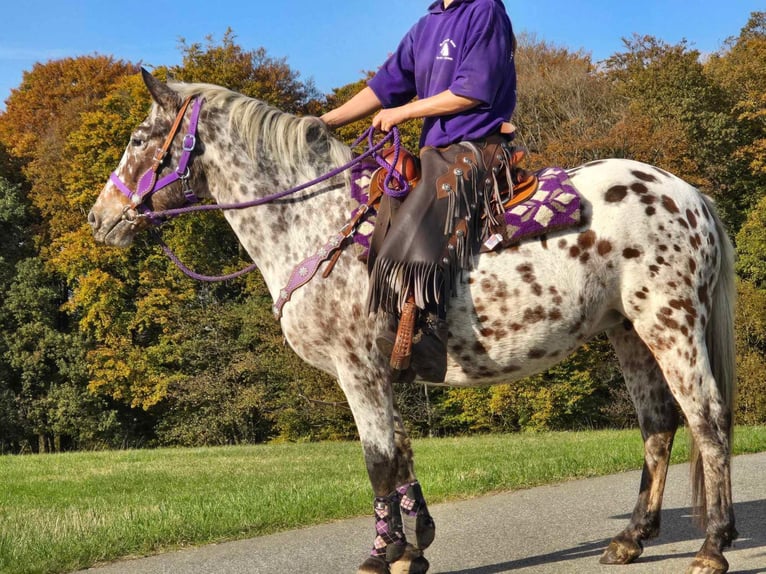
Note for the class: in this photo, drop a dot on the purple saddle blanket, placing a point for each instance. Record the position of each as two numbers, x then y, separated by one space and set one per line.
554 205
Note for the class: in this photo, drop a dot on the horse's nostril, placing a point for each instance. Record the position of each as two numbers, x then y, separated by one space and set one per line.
92 219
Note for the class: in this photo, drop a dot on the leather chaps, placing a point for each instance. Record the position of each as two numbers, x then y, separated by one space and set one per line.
435 234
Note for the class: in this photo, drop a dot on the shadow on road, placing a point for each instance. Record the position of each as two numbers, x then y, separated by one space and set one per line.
676 527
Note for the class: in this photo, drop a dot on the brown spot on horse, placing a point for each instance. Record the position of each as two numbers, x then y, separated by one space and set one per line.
616 193
586 239
669 204
603 247
643 176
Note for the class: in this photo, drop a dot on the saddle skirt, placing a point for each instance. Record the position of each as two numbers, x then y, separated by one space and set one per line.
554 204
542 203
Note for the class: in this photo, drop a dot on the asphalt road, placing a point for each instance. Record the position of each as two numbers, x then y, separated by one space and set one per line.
552 529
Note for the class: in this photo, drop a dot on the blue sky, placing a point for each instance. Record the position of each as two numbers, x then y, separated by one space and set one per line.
332 41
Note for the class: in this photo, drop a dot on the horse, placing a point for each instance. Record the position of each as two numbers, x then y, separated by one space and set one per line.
650 265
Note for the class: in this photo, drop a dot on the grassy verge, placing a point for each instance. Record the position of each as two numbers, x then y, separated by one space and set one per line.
60 513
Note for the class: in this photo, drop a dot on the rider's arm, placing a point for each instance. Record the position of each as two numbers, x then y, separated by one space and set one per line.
362 104
442 104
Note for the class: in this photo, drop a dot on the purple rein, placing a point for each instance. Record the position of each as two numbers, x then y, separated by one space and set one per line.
149 184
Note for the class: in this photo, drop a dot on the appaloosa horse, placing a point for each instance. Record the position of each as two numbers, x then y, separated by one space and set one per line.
650 265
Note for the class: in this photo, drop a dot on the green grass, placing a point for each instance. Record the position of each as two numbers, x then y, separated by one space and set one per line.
60 513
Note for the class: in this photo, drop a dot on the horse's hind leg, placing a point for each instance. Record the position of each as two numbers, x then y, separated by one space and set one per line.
658 419
403 525
707 408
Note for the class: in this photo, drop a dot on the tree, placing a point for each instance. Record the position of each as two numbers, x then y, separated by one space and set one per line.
664 86
566 107
14 230
751 317
250 72
751 354
14 236
40 114
39 354
102 346
740 70
751 247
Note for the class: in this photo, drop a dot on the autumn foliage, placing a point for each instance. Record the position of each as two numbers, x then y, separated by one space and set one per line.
102 347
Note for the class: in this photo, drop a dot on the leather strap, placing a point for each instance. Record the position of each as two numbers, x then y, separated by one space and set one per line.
163 151
375 195
306 269
149 179
402 352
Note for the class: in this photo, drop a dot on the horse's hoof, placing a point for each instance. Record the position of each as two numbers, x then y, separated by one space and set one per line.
411 562
418 565
708 565
621 551
373 565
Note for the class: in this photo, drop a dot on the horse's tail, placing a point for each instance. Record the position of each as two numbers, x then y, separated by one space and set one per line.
719 339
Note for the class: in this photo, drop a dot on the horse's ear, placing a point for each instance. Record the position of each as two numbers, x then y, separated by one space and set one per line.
165 97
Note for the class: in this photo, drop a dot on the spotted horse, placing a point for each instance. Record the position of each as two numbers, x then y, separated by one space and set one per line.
650 264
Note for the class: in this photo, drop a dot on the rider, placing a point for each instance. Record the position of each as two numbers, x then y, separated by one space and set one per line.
458 60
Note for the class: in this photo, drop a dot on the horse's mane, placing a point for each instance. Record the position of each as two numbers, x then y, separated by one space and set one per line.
295 143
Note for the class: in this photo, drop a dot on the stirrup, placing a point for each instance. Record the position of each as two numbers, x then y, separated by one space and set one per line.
402 352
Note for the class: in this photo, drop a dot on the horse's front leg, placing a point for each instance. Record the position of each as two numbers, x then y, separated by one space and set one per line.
403 526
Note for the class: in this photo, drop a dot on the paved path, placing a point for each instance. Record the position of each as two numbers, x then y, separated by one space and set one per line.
552 529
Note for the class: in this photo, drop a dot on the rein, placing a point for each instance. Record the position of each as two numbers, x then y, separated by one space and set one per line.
372 151
149 184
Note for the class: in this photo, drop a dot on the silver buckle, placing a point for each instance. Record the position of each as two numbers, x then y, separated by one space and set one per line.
190 142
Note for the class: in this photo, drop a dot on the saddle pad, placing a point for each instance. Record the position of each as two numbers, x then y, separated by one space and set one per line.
555 205
361 176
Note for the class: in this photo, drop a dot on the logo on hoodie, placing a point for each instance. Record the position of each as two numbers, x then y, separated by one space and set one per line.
445 50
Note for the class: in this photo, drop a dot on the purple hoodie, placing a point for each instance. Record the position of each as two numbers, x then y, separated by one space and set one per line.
466 49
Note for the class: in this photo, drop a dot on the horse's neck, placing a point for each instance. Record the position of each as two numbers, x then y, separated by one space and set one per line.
280 234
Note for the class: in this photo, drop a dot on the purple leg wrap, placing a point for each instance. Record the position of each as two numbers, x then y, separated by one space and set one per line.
419 527
389 542
400 518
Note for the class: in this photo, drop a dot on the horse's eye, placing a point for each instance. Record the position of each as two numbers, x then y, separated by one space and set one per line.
136 142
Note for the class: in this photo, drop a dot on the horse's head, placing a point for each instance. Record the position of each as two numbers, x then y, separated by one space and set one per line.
157 170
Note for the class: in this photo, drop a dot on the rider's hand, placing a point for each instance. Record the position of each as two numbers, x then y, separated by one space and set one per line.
387 118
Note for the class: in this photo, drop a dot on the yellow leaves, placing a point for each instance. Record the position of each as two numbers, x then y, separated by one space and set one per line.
99 298
753 111
751 352
741 69
75 253
127 373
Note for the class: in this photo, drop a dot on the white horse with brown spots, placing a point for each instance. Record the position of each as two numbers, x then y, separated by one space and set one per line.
650 265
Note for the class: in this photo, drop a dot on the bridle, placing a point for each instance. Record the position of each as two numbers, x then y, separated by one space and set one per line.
148 183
